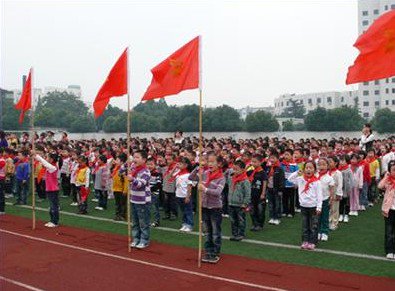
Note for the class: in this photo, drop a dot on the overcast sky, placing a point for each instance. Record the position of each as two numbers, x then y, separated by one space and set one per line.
253 51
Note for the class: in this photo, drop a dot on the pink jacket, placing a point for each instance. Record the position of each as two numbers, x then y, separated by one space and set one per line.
389 195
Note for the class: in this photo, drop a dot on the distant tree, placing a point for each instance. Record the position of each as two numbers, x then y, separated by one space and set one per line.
316 120
261 121
11 116
384 121
222 118
288 125
83 124
295 109
110 111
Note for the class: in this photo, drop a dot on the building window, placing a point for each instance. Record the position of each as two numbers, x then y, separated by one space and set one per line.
282 104
386 7
329 99
376 12
318 100
387 90
365 22
342 99
376 92
301 101
287 103
387 80
393 102
366 83
366 103
377 82
393 80
365 13
393 6
393 90
366 93
366 114
377 103
387 102
310 101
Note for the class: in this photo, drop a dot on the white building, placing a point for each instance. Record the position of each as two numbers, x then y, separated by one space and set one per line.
39 93
380 93
243 112
310 101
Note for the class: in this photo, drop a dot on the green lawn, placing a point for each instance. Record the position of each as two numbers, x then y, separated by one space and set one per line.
363 234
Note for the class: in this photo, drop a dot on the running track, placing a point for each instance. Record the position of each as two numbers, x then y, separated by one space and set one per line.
70 258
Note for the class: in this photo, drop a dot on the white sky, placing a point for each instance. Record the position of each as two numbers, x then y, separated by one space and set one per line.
253 51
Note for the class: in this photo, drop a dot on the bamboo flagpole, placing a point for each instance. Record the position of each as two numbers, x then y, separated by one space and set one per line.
33 150
200 152
128 125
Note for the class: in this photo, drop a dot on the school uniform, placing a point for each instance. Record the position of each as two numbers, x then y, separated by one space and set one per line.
258 205
288 198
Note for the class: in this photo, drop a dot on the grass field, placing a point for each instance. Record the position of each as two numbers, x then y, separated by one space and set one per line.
363 234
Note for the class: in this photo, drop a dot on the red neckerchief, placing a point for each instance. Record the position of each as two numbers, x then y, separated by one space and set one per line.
256 170
354 167
137 169
238 178
321 174
179 173
344 167
370 160
331 172
248 163
170 168
299 160
287 164
310 180
276 165
213 176
115 170
391 181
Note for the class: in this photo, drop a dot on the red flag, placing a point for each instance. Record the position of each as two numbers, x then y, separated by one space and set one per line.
25 102
178 72
377 51
115 85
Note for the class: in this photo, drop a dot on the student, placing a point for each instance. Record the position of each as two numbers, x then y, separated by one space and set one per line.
73 173
344 207
65 173
82 184
155 187
357 184
239 198
374 168
139 178
51 186
328 190
183 195
388 210
9 173
338 192
310 199
258 180
101 183
2 181
288 200
211 188
299 160
169 188
22 178
275 186
363 194
120 187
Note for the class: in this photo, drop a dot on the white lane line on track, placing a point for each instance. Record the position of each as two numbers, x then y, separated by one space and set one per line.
159 266
20 284
248 241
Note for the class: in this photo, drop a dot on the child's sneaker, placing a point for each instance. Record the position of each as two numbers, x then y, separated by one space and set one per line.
141 246
276 222
390 256
319 236
134 244
311 247
50 225
341 218
363 208
155 224
290 216
304 245
213 259
324 237
182 228
297 210
271 221
95 200
99 208
346 219
74 204
370 204
188 229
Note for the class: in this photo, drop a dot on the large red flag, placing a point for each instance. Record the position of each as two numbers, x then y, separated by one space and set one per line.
25 102
178 72
377 51
115 85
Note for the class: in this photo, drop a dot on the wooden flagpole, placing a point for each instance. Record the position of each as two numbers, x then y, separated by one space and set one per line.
33 149
128 125
200 152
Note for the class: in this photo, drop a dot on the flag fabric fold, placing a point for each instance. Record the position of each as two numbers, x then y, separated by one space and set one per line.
25 101
115 85
178 72
376 59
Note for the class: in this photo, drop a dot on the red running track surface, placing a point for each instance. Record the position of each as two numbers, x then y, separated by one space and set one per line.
67 258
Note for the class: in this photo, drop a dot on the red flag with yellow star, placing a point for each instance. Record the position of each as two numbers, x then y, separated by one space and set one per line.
25 101
377 51
178 72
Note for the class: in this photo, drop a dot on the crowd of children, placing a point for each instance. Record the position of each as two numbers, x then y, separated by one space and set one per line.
327 181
